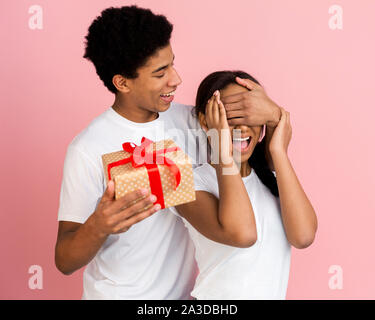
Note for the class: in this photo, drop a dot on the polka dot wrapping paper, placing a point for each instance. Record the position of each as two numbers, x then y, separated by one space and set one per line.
128 178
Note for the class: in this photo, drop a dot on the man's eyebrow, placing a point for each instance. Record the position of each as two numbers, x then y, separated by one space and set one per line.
162 68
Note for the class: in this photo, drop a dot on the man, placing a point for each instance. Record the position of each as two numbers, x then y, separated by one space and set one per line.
132 250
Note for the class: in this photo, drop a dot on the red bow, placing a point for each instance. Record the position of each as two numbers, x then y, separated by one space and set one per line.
141 157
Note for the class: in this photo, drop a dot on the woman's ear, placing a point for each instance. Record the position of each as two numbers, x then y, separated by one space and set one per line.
202 121
262 133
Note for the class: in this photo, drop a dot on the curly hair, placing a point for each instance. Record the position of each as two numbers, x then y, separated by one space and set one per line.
121 40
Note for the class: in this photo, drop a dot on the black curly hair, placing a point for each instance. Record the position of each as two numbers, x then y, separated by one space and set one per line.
219 80
121 40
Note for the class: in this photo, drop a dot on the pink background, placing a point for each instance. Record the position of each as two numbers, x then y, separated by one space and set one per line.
324 77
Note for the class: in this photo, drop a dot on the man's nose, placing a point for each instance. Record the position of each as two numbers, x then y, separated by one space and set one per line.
175 79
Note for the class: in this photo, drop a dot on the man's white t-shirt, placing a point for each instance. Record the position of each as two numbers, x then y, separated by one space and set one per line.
258 272
154 259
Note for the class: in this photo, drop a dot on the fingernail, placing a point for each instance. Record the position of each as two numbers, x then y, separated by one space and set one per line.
153 198
157 206
216 93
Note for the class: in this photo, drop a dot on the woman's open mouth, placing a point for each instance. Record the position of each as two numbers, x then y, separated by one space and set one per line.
242 144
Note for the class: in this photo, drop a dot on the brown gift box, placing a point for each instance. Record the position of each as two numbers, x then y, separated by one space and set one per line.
128 178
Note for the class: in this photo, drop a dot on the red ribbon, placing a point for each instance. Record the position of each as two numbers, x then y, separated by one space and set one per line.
141 157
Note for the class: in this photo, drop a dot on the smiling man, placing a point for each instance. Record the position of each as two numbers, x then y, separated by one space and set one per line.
152 91
132 249
127 255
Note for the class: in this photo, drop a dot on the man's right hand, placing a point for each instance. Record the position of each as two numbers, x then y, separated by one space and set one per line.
116 216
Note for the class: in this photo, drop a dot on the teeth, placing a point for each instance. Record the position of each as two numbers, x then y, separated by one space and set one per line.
241 139
168 94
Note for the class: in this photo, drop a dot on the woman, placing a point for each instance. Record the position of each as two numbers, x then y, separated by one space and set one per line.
243 221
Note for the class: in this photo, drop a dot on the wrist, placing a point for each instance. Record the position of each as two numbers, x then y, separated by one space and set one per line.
278 153
93 230
225 169
274 117
224 163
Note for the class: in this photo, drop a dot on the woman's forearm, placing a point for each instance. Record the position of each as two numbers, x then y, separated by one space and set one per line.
235 213
298 215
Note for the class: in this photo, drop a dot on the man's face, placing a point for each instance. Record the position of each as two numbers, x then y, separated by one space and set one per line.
153 90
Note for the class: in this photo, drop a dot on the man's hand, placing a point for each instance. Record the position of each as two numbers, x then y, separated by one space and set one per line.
251 108
77 244
116 216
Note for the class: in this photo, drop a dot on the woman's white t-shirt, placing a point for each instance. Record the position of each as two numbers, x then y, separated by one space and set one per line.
154 259
258 272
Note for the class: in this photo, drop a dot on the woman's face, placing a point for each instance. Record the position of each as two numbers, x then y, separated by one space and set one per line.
249 135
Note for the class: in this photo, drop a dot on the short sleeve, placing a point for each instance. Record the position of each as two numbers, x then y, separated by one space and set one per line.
199 181
200 185
82 187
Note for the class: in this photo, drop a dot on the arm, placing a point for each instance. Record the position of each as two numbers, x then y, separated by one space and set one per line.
77 244
229 219
253 108
298 215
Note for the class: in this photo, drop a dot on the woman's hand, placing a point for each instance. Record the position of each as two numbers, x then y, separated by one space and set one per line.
282 134
228 218
218 131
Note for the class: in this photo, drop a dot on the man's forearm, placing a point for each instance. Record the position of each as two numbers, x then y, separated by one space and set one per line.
77 248
274 116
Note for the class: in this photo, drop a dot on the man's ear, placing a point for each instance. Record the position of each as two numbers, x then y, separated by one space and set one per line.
121 83
202 121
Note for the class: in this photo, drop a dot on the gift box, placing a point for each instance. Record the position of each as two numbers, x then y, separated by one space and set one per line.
161 167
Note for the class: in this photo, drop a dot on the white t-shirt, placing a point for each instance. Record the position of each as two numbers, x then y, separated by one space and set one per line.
154 259
258 272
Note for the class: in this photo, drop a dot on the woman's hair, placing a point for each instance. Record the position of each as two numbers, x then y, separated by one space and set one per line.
217 81
121 40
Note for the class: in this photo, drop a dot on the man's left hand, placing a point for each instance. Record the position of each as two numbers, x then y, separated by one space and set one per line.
251 108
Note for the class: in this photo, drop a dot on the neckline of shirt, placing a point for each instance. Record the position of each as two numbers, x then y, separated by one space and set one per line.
113 115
